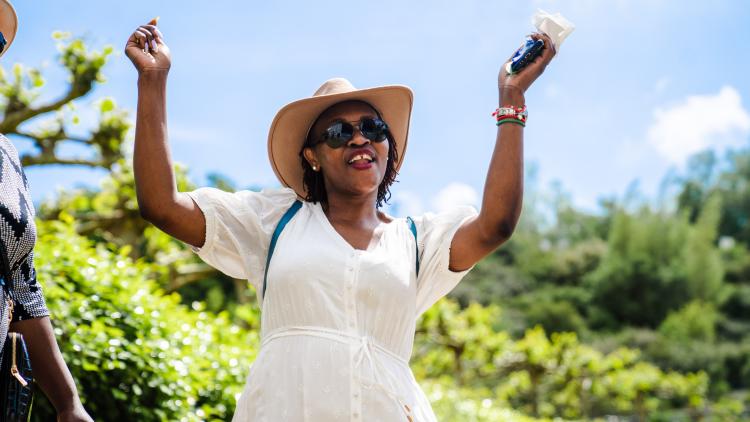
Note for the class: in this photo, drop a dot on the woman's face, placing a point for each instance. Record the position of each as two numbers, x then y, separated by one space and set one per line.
356 168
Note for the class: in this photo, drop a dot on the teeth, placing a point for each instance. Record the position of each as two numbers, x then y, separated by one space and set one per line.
361 157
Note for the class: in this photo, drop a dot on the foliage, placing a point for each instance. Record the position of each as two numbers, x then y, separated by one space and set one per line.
20 103
135 352
539 375
655 263
695 321
708 176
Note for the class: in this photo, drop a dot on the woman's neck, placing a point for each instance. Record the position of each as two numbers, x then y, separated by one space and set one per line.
352 210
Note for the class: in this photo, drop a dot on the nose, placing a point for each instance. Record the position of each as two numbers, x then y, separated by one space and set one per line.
358 139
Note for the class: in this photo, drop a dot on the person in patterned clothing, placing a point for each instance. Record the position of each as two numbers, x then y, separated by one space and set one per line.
17 239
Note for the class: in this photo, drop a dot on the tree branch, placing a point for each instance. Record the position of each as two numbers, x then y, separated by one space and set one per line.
36 160
11 121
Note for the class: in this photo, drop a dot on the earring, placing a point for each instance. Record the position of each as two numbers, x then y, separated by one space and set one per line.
314 167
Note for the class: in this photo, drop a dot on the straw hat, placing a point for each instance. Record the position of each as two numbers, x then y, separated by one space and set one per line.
8 24
293 122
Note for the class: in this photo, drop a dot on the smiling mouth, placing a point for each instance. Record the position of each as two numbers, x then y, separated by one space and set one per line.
361 159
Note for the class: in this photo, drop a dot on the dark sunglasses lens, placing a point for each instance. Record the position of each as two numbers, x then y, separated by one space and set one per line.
338 134
373 129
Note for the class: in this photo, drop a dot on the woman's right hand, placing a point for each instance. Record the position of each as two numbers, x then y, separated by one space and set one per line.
147 50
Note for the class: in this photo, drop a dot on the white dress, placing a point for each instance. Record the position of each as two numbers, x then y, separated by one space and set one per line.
337 323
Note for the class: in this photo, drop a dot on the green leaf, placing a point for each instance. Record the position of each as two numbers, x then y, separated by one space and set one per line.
107 105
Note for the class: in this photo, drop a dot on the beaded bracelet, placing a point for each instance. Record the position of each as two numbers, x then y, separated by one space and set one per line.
511 114
511 120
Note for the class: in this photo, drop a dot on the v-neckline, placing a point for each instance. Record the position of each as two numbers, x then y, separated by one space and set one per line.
332 230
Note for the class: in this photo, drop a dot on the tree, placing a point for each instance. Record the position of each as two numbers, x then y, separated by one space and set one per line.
707 176
644 273
110 212
20 104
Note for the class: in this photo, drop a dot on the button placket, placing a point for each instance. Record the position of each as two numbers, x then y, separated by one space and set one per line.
352 271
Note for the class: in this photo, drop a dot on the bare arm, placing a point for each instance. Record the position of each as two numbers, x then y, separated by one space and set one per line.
503 189
50 371
158 199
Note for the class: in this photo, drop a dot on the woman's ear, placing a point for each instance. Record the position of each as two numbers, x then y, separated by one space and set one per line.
311 159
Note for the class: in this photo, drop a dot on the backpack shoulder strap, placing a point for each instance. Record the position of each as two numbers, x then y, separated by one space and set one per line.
276 233
413 228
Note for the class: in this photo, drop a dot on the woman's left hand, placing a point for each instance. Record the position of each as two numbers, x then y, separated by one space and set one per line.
77 414
526 76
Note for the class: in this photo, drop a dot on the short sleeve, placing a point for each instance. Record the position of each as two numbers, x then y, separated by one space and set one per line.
27 293
435 233
239 227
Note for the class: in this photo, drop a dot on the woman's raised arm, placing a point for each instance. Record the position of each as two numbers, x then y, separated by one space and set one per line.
503 188
158 199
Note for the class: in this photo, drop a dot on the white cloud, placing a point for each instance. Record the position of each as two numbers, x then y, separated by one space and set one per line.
699 122
453 195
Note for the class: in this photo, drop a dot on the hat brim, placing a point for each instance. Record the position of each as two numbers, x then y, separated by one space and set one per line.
8 23
292 123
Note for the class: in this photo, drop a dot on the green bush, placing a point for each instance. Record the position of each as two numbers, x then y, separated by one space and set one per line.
136 353
538 375
695 321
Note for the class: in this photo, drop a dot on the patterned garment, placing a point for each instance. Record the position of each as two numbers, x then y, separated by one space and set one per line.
18 236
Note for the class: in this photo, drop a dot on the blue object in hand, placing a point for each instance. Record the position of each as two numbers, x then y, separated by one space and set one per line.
530 49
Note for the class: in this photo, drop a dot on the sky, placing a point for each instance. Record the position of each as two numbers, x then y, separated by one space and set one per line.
635 90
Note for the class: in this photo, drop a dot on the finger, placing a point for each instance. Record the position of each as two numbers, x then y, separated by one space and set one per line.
151 39
139 38
145 29
154 21
548 41
159 35
152 42
142 36
549 47
151 28
143 40
154 31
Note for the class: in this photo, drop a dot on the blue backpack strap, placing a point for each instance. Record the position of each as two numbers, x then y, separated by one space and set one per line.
413 228
276 233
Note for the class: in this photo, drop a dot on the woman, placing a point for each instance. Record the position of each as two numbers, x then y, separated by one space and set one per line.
346 282
17 238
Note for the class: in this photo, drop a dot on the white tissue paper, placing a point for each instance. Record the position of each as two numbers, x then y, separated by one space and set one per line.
555 26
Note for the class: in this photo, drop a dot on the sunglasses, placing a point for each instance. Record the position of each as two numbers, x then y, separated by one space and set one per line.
340 132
